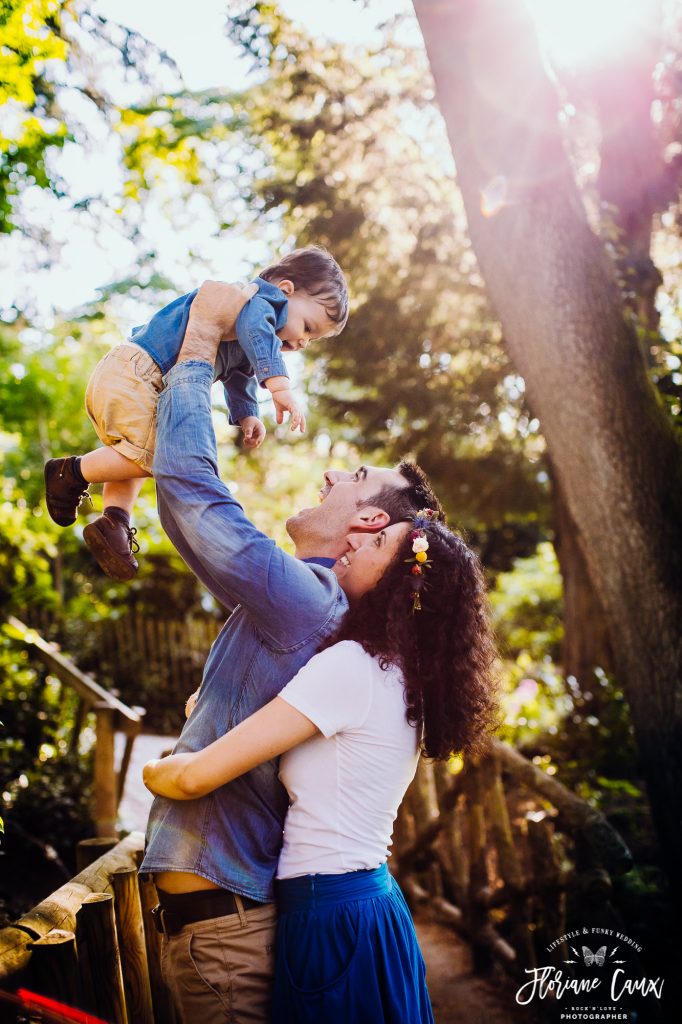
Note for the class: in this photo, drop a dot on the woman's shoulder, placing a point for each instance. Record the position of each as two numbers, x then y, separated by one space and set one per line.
345 650
353 655
347 655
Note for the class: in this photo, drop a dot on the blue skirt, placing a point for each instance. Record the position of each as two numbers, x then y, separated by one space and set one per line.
347 952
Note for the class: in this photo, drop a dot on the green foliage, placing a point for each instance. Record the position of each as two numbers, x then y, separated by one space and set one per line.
31 41
45 783
582 735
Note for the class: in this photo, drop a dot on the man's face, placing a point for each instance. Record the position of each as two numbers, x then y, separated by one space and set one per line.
323 530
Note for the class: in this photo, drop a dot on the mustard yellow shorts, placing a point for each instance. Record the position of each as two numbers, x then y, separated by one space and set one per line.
121 398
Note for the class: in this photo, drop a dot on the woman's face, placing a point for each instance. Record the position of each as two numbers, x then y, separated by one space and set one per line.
367 557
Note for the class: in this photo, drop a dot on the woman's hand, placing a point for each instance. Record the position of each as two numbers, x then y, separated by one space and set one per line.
170 776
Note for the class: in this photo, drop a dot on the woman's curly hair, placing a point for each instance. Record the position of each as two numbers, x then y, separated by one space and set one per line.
445 651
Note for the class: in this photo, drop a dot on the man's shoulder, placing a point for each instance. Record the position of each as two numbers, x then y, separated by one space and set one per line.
315 594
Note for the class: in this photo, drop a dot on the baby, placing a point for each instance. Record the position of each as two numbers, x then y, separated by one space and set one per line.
301 298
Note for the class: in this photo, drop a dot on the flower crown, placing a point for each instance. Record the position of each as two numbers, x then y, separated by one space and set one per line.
420 560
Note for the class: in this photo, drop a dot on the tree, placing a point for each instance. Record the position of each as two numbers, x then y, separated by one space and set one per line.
355 159
612 443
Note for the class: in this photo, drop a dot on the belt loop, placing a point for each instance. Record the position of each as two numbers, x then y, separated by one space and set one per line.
240 910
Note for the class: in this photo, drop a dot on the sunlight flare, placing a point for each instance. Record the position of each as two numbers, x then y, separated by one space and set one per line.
584 32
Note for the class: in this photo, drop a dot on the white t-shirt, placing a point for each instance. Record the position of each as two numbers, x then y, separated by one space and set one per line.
346 785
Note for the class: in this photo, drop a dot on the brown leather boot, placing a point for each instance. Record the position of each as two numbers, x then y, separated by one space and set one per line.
64 492
112 545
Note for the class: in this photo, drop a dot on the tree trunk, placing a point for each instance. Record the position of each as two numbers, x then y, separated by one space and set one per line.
632 173
586 643
610 440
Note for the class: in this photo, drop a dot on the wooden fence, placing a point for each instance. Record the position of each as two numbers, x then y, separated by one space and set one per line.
496 850
111 716
92 944
151 661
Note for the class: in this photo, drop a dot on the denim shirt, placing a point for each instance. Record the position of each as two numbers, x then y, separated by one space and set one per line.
285 608
240 365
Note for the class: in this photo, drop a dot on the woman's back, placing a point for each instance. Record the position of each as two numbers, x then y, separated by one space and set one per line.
346 785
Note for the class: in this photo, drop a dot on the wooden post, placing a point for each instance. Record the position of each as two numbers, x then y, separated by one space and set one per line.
99 958
133 950
131 734
549 901
478 871
422 795
88 850
509 865
105 773
477 917
59 910
460 860
500 826
53 967
164 1008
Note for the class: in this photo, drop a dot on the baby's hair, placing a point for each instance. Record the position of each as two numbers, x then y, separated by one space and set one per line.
315 271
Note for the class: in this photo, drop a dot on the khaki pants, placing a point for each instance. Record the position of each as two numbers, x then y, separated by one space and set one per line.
220 971
121 398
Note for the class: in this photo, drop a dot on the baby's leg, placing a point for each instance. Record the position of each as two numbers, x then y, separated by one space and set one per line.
105 465
122 494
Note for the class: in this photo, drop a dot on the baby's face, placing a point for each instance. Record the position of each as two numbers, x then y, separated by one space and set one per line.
307 320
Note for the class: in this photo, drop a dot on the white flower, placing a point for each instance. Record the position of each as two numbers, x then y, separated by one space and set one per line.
420 544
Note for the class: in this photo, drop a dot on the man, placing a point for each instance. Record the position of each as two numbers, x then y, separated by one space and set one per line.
214 859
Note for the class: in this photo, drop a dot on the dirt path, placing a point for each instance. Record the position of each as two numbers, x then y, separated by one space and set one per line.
457 995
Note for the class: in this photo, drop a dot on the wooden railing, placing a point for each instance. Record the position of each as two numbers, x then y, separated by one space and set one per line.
111 716
496 849
92 944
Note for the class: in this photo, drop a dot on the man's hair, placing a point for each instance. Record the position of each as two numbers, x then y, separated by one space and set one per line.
315 271
403 502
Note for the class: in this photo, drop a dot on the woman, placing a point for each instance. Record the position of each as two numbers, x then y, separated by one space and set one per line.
408 671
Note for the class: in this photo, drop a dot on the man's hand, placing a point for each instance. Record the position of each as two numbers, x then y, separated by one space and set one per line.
285 401
212 317
253 430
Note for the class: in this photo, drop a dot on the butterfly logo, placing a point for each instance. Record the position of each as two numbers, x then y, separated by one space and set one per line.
597 958
589 958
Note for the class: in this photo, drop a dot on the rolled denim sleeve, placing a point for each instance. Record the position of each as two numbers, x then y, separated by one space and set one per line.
256 333
241 395
288 599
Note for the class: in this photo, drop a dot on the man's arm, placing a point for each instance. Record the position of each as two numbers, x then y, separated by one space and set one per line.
216 306
288 599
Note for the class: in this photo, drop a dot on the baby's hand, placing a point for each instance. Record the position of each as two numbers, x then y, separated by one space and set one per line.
253 430
285 401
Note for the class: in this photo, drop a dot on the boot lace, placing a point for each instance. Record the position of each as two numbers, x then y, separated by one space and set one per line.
130 530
